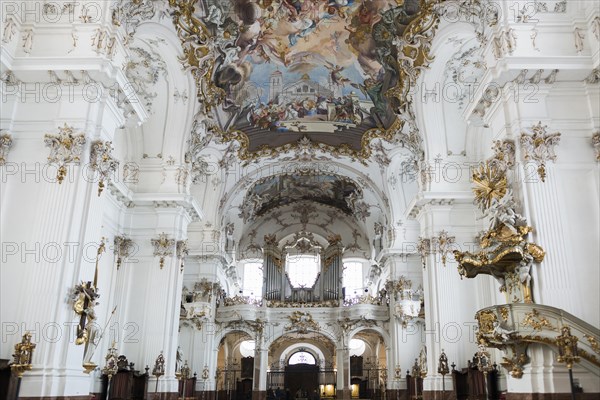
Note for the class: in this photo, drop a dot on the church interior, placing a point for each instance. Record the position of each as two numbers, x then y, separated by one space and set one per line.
300 199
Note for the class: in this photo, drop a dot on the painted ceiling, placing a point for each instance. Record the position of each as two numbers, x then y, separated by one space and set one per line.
280 190
285 69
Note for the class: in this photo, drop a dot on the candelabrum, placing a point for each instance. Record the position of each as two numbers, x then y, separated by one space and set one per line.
443 370
183 374
110 367
158 370
398 372
205 375
416 373
568 353
483 365
22 359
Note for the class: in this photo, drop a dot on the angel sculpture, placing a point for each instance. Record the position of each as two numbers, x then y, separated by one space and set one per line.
502 212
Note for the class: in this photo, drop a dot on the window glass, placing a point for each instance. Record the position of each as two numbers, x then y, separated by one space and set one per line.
357 347
353 279
302 357
247 348
303 269
253 280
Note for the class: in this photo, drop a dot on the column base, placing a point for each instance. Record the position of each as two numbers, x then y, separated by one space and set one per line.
343 394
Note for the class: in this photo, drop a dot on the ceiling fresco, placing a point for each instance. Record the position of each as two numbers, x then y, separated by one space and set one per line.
280 190
273 71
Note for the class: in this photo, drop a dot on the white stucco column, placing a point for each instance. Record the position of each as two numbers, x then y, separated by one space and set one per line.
450 303
154 295
343 370
50 235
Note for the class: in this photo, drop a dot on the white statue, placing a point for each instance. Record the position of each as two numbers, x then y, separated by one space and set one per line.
111 48
92 342
28 41
98 40
579 37
10 28
502 333
502 212
596 27
215 15
498 48
533 37
74 39
178 359
511 40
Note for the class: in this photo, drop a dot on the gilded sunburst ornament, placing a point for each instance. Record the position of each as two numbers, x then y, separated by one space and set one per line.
490 183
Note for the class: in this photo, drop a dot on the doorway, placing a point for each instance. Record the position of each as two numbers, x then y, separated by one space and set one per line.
302 380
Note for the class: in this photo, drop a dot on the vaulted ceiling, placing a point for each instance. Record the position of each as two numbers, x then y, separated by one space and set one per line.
300 112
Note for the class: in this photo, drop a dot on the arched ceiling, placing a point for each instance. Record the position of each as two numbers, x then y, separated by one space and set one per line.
271 150
325 199
279 190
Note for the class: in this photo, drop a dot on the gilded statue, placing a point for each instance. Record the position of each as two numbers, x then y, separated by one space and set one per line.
443 368
24 351
84 300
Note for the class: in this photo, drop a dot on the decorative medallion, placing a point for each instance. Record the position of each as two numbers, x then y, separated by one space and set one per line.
272 72
442 244
301 322
537 322
486 321
596 144
65 147
102 162
123 247
163 247
539 147
424 249
6 143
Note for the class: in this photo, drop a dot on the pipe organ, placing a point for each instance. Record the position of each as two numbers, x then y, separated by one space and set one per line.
331 274
277 286
273 273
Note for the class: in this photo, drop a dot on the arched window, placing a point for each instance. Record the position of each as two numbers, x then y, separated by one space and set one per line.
302 357
253 280
353 279
357 347
303 269
247 348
